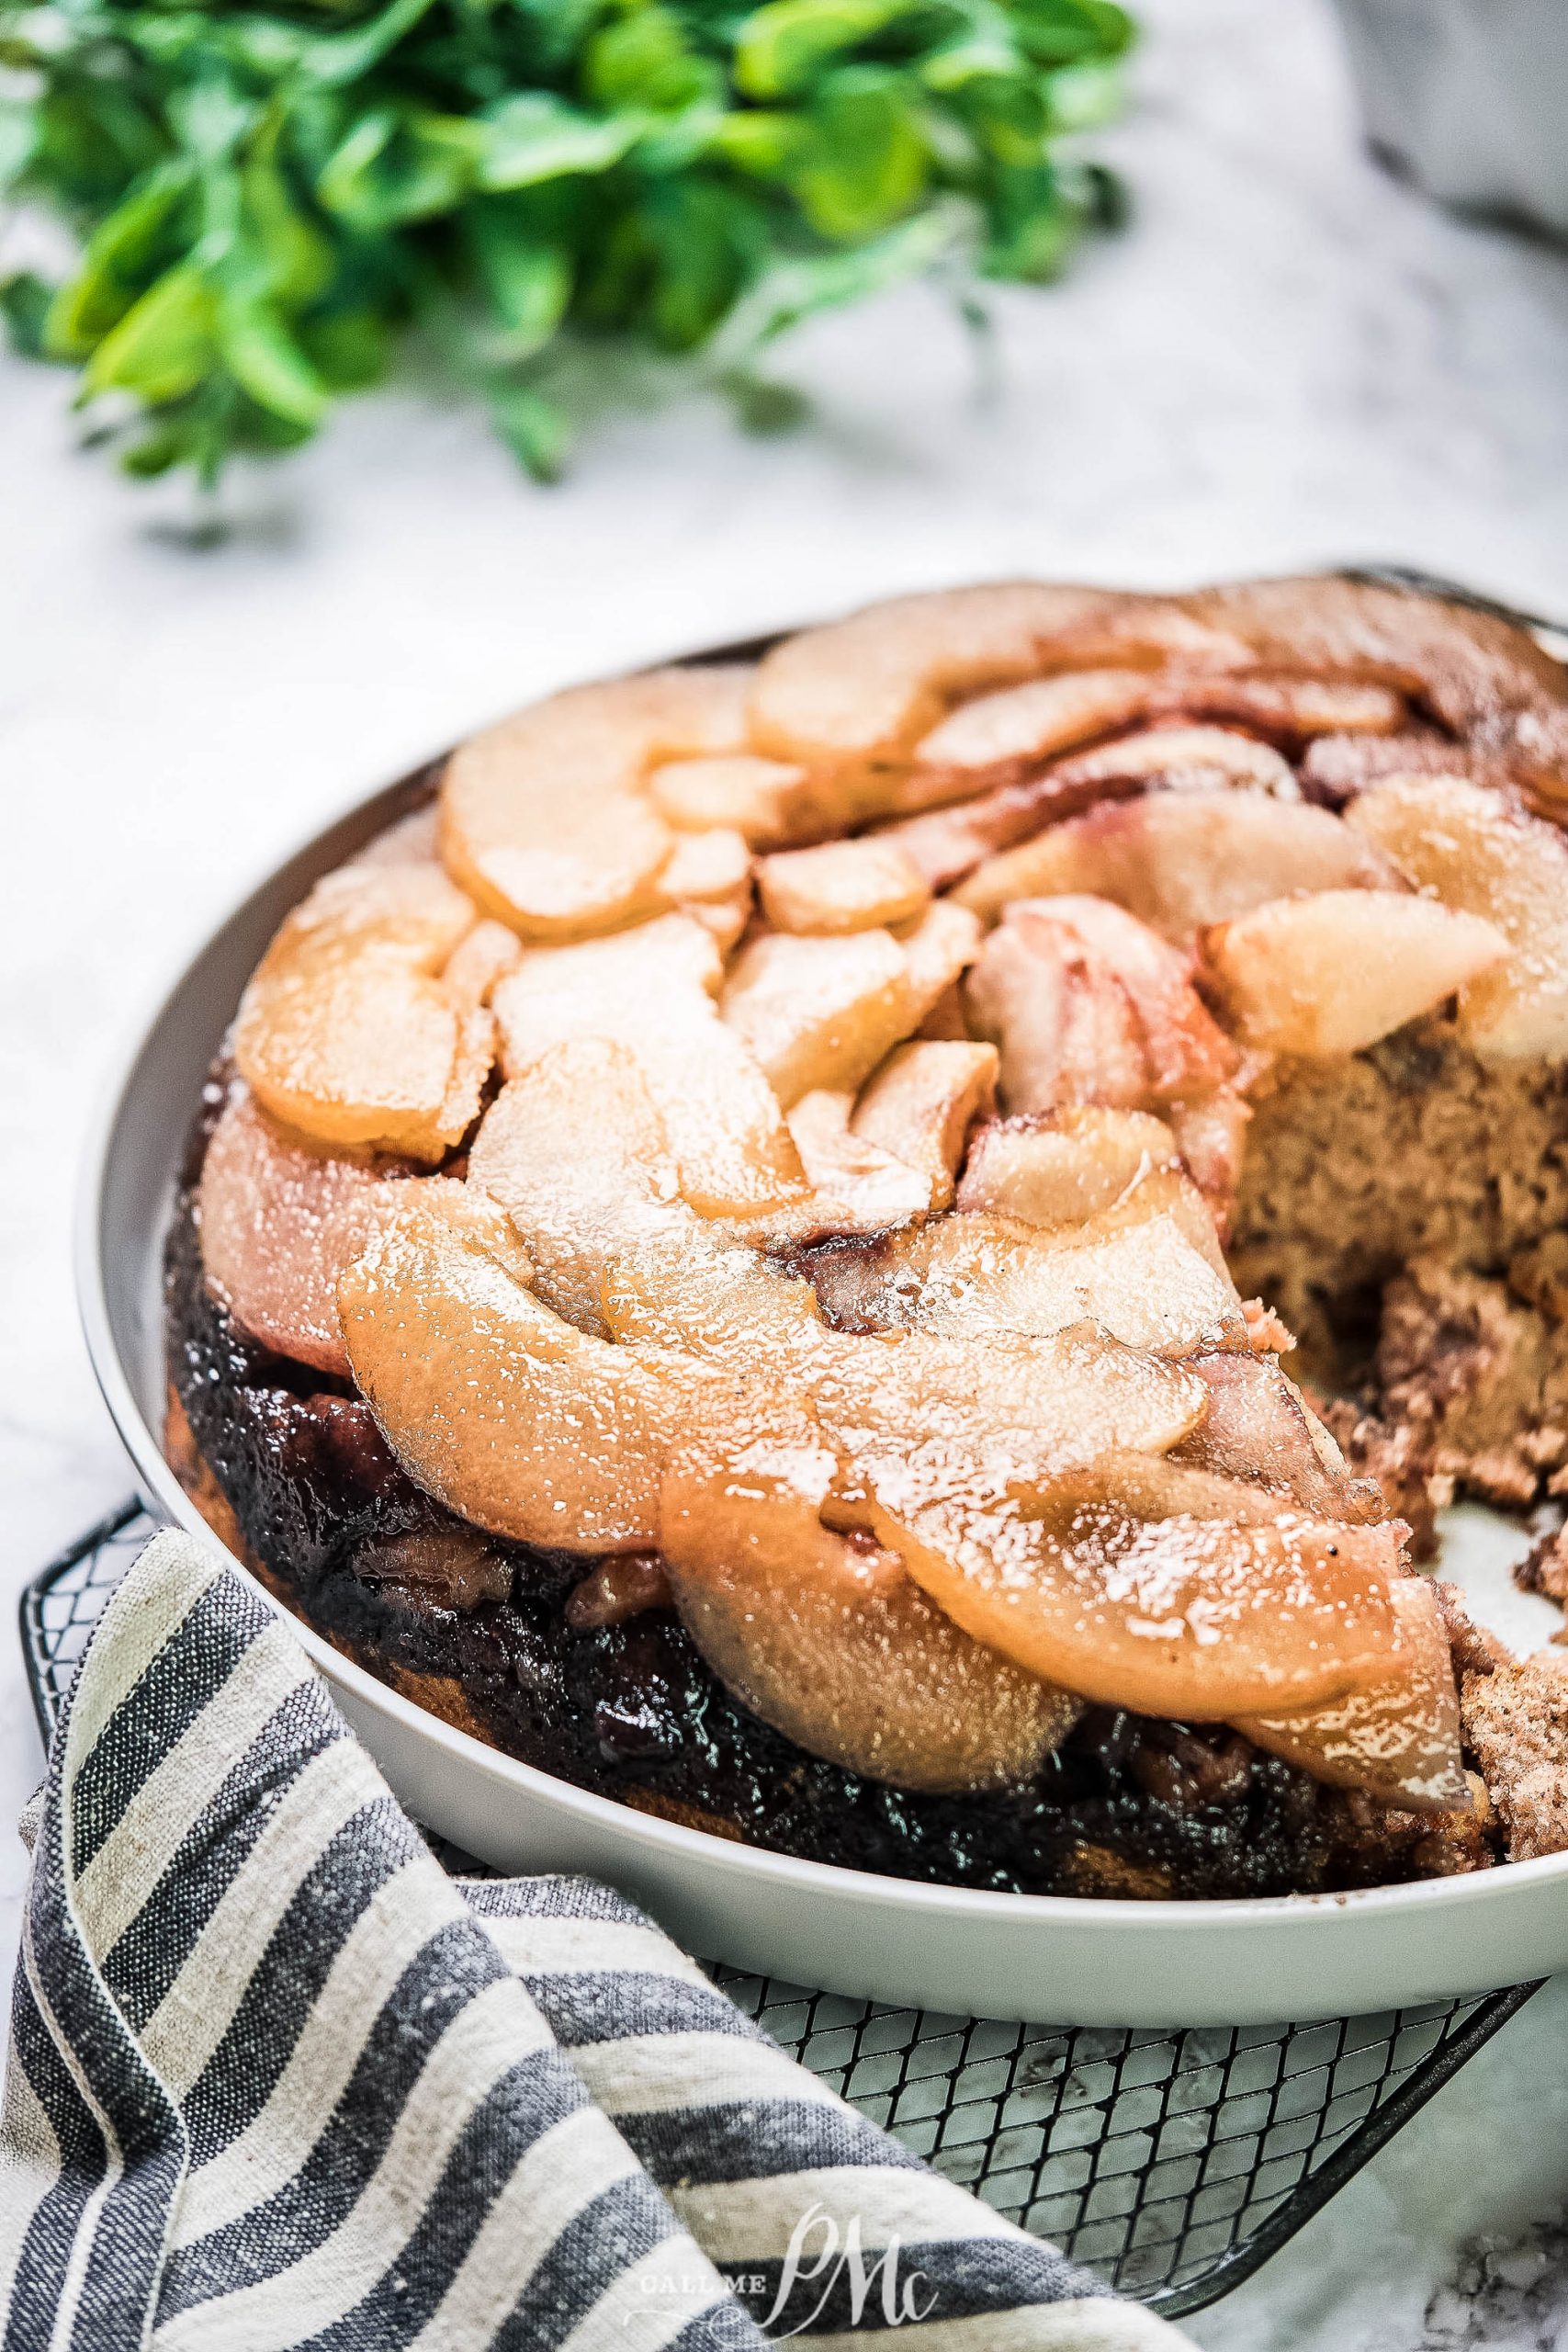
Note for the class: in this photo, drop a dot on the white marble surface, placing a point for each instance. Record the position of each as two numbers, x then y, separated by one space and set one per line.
1287 360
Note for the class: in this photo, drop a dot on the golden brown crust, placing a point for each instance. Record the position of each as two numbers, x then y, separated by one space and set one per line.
689 1817
438 1694
1098 1871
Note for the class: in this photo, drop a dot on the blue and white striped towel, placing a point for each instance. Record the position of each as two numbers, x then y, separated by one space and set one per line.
275 2080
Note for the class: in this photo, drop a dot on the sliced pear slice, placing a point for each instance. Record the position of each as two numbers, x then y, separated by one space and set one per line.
279 1221
709 879
861 1187
649 990
1476 854
1153 1587
511 1417
479 964
544 818
1020 1411
1482 677
577 1153
868 685
819 1012
724 920
1332 973
1211 1135
1182 759
996 738
992 739
614 1249
1064 1165
1291 708
826 1638
572 1150
348 1034
1400 1738
579 1158
938 948
1088 1006
1113 1167
841 885
771 803
708 866
920 1104
1259 1427
1180 861
1142 1281
945 844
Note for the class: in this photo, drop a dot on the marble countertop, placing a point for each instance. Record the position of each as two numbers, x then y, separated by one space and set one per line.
1288 360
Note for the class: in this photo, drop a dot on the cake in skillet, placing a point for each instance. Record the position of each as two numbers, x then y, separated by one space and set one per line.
889 1251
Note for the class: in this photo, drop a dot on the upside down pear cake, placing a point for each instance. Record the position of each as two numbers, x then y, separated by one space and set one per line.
889 1251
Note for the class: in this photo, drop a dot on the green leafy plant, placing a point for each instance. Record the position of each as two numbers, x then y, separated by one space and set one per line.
267 200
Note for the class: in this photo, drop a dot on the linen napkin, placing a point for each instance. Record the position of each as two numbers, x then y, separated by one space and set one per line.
275 2080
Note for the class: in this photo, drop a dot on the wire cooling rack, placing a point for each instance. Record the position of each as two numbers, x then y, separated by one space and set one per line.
1173 2162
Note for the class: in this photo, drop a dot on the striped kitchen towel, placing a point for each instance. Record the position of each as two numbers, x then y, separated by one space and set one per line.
275 2080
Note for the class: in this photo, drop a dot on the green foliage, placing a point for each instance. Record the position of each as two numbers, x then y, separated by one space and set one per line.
267 200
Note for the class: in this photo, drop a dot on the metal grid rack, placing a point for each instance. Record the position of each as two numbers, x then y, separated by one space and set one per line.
1172 2162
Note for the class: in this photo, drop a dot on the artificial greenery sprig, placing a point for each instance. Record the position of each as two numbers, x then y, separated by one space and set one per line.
266 198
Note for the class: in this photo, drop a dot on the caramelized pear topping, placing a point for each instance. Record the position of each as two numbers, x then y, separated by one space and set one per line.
997 736
982 1466
577 1155
1211 1135
841 885
1180 861
279 1222
921 1104
651 991
859 1186
1087 1006
947 844
938 949
819 1012
708 878
1182 759
1399 1739
514 1418
1478 854
1481 677
769 802
866 686
1060 1167
1020 1410
479 964
1144 1584
826 1638
993 738
706 867
545 821
347 1031
1133 1273
1290 708
1332 973
1259 1427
